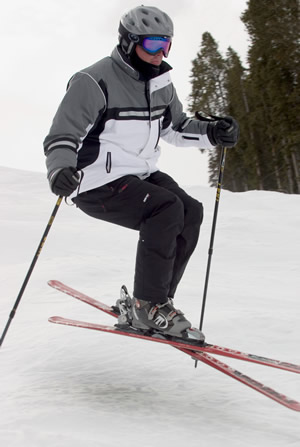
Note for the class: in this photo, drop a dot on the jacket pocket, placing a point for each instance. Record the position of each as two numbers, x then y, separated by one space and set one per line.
108 162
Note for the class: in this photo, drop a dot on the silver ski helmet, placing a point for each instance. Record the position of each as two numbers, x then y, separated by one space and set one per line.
141 22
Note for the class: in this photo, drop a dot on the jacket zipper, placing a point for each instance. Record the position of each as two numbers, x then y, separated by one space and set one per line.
148 98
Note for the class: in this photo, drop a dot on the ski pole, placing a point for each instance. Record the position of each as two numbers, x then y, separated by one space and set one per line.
35 258
212 237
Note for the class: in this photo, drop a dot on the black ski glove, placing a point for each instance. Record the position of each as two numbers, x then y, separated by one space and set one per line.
64 181
224 131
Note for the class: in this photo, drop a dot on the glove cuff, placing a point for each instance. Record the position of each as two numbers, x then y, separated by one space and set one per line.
211 133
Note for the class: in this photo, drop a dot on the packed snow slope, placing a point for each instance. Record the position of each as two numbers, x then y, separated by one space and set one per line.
70 387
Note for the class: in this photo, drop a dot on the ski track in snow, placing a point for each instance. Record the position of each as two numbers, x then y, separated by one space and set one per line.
71 387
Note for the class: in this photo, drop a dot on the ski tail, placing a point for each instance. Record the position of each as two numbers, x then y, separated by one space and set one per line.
82 297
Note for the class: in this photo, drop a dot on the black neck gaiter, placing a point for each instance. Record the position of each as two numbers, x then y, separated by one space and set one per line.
147 71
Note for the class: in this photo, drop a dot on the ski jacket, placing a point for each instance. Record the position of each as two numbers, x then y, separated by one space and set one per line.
109 123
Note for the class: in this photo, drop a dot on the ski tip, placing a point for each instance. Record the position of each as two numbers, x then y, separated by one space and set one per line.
52 282
292 404
54 319
58 320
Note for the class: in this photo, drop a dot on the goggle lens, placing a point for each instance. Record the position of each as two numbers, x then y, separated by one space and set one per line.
153 44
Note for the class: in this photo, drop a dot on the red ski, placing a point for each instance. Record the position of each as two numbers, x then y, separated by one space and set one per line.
211 349
198 352
201 356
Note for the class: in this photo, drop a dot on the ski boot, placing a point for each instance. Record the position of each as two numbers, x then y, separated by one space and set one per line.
164 319
156 319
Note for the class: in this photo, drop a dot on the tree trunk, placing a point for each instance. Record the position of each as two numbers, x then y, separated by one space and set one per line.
296 168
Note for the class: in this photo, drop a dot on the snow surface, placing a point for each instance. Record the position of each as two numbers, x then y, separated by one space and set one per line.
70 387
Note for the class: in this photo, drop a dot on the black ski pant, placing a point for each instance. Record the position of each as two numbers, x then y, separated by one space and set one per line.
168 221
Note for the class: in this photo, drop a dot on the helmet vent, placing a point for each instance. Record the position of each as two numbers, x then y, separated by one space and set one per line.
145 22
157 20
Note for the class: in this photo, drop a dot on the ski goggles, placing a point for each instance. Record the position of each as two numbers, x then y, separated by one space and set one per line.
153 44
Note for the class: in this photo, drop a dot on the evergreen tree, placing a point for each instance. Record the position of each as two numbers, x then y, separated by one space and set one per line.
265 99
208 90
217 88
273 27
240 169
208 71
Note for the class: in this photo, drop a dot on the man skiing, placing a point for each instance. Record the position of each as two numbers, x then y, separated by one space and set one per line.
102 151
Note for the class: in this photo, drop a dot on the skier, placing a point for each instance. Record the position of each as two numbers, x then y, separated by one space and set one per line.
102 151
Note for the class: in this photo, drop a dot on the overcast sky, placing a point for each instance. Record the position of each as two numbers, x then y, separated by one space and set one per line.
43 42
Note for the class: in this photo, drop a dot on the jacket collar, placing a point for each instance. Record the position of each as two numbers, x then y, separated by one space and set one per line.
124 63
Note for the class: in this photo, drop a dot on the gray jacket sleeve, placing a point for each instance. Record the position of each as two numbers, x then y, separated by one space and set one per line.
179 130
82 104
